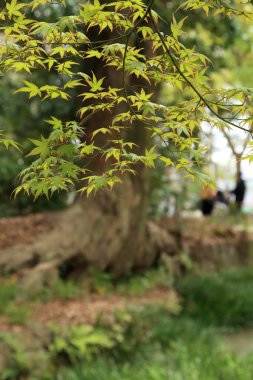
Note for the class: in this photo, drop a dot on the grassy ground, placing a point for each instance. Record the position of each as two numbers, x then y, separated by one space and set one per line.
224 299
17 305
144 343
176 349
189 346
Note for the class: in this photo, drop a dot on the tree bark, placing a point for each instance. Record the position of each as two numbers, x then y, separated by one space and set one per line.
108 230
237 155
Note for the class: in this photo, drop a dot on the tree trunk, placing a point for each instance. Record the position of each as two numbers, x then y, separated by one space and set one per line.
108 230
238 158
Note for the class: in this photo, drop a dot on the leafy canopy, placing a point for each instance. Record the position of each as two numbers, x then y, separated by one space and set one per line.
107 32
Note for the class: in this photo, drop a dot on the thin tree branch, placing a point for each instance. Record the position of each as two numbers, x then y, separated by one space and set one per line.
188 81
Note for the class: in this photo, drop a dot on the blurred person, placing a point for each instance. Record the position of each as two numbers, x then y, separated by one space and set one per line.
207 200
239 191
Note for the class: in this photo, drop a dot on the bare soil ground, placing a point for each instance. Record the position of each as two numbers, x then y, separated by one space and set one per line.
100 306
24 229
92 307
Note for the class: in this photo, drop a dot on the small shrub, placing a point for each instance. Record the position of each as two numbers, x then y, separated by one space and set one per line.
78 343
17 361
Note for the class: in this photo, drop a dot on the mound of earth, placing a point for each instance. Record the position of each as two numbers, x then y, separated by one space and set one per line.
24 229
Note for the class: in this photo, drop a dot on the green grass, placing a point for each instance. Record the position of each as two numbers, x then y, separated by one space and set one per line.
100 282
15 305
149 343
8 293
10 306
224 299
182 352
182 365
17 314
61 290
139 284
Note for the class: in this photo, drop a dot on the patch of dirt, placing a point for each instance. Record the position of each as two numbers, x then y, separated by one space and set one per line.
6 326
87 310
91 308
24 229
